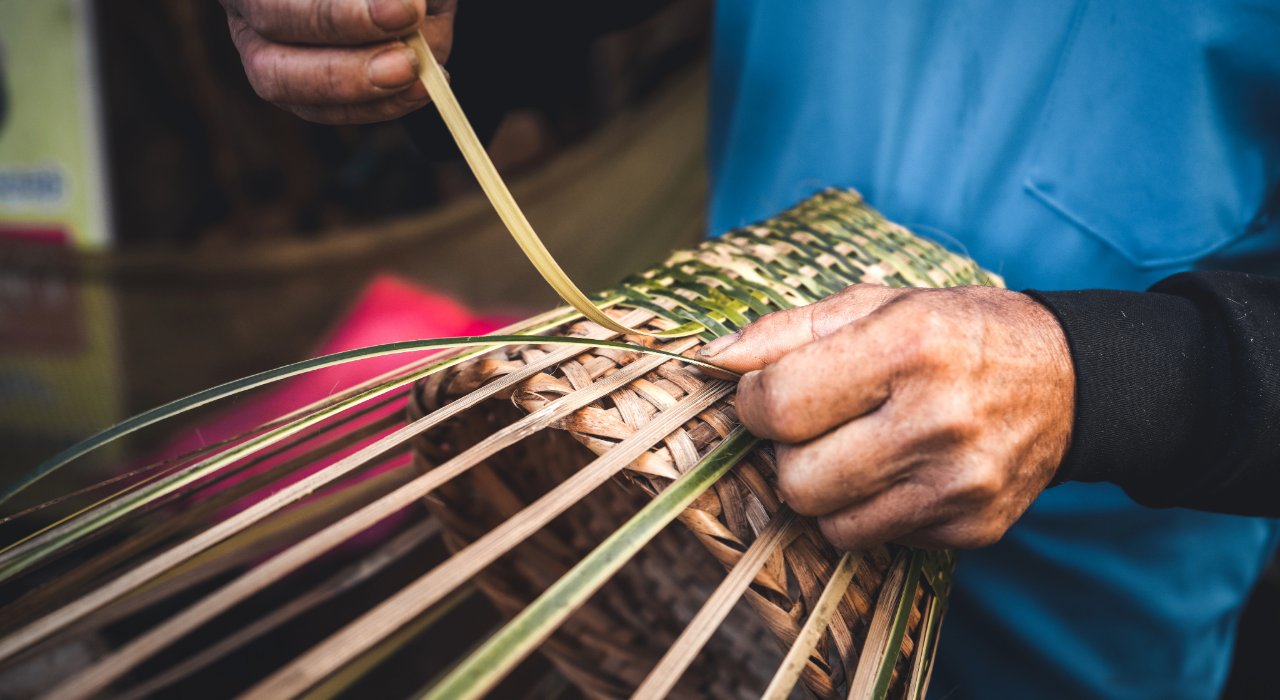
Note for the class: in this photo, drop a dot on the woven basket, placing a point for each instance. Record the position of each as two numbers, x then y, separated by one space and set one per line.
875 645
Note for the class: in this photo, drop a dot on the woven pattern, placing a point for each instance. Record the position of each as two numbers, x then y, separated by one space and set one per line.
823 245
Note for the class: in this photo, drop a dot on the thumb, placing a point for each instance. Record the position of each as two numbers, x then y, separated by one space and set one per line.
772 336
761 343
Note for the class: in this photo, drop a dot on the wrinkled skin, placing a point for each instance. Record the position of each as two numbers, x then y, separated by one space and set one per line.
339 61
928 417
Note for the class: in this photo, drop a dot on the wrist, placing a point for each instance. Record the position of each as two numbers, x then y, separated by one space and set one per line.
1136 398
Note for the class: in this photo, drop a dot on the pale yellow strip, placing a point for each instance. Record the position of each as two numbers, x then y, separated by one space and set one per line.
437 86
816 626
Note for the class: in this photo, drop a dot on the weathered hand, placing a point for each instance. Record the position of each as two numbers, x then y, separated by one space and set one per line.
929 417
338 61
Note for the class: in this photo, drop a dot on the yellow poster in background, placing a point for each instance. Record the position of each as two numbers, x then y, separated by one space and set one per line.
58 371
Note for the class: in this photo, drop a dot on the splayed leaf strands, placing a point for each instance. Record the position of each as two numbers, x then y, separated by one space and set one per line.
28 552
346 579
289 494
259 541
778 533
533 326
477 157
922 667
15 559
402 607
789 671
178 524
480 671
116 664
173 463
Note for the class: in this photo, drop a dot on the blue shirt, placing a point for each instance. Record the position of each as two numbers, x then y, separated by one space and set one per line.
1063 144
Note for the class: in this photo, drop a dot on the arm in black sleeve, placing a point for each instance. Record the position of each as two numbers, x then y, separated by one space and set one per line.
1178 390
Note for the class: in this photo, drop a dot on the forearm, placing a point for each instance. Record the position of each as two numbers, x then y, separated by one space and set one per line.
1178 390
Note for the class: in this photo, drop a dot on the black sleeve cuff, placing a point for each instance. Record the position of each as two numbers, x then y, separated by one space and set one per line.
1142 364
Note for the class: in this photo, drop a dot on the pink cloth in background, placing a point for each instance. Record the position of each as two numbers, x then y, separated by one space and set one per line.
389 310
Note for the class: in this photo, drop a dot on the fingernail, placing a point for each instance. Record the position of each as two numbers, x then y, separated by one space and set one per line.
716 346
393 15
393 68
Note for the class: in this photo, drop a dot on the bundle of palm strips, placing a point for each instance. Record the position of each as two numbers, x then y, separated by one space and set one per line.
609 648
552 466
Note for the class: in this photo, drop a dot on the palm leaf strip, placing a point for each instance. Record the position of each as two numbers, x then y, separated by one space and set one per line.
782 528
492 661
336 684
177 524
346 579
309 668
477 157
144 572
789 670
119 662
543 322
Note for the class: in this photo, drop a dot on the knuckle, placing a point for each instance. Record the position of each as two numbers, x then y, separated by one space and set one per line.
930 337
770 413
796 484
978 536
261 66
262 20
796 491
323 21
842 538
988 483
979 482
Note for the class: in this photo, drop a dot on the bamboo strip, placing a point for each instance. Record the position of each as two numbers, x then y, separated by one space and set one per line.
793 664
532 326
273 534
113 666
172 557
777 534
389 615
538 324
346 579
28 552
42 598
888 623
922 667
481 670
437 85
73 528
168 465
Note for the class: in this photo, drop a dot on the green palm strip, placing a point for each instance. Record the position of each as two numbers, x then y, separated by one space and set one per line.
174 408
903 613
480 671
924 653
113 511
